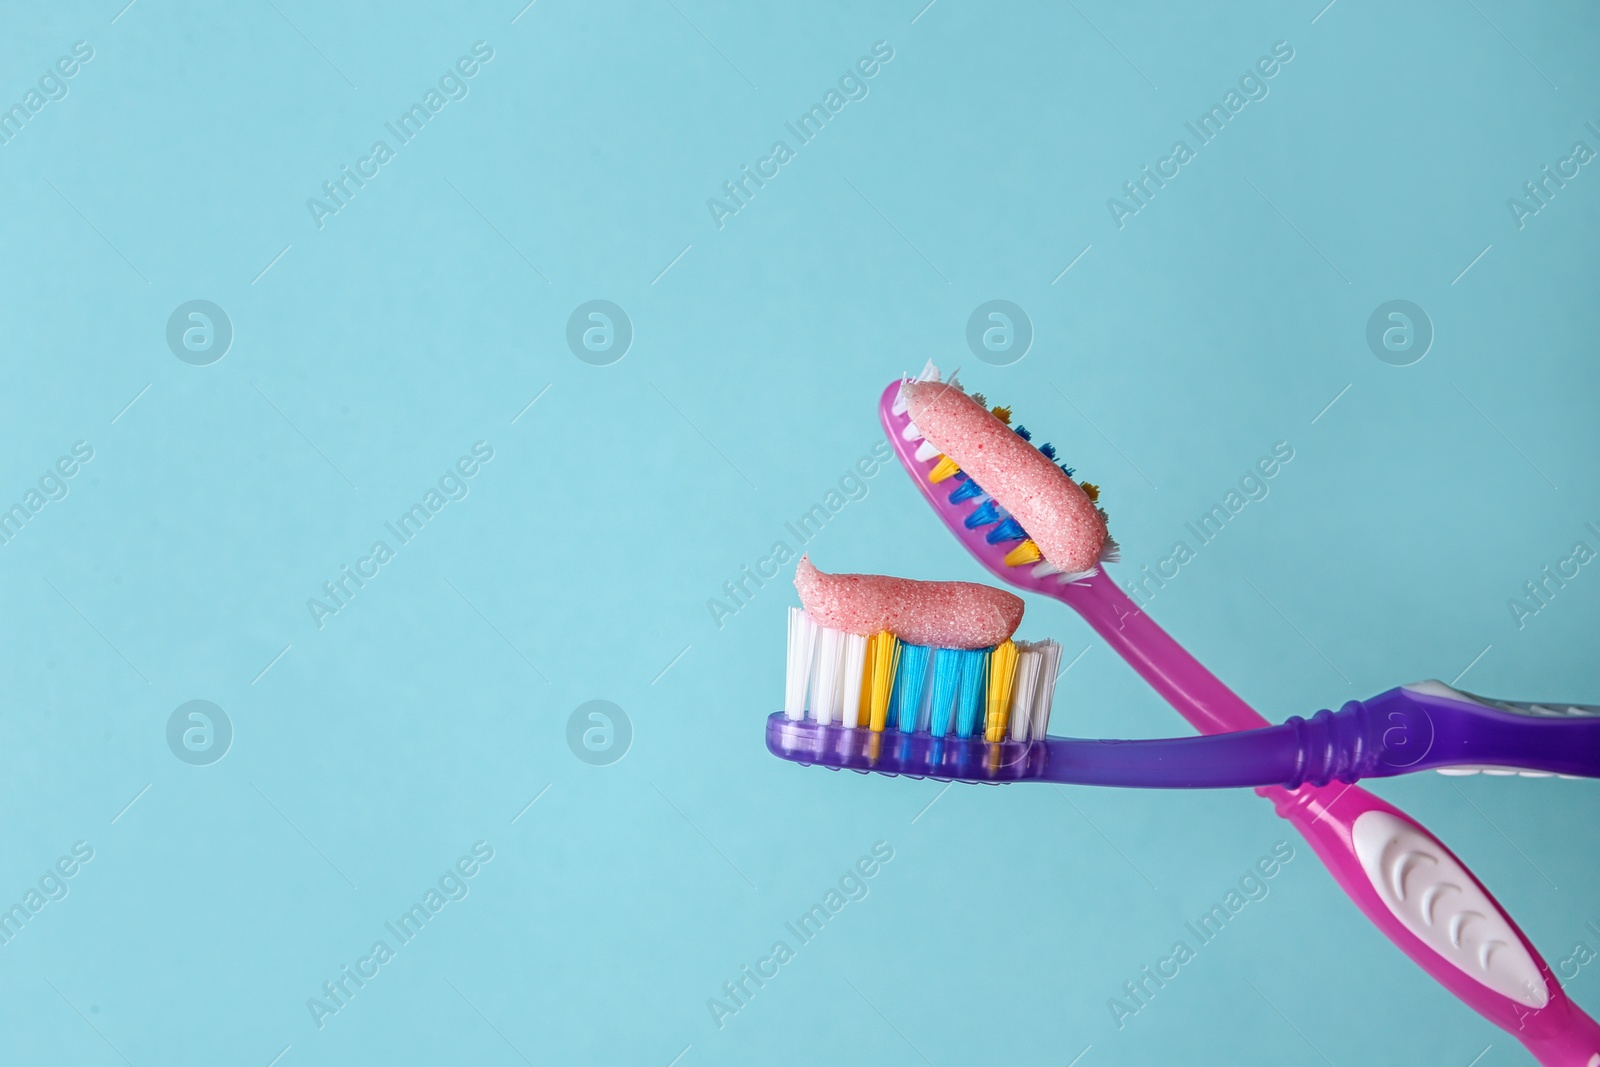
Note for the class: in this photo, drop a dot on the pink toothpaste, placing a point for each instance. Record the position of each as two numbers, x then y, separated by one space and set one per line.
939 614
1057 514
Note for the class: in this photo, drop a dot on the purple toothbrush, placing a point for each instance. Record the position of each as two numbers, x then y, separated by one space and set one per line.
1419 727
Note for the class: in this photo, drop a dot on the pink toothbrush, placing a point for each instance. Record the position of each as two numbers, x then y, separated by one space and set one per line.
1404 879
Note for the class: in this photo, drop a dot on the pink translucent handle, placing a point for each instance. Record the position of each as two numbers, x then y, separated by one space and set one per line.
1558 1034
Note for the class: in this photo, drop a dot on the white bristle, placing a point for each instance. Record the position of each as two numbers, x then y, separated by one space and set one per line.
1044 568
1022 687
802 645
930 373
855 664
1045 692
1076 576
899 405
926 451
911 433
1111 552
825 680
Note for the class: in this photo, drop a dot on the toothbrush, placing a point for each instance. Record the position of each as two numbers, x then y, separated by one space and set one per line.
934 665
1413 728
1405 880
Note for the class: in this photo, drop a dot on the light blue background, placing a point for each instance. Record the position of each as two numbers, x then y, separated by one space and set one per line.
426 315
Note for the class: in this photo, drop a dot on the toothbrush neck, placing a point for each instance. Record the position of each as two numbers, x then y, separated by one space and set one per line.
1210 706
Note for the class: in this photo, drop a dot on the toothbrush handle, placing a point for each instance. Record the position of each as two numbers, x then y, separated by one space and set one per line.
1404 879
1419 727
1210 706
1430 725
1430 905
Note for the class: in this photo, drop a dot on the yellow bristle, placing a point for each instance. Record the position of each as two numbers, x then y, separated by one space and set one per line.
883 655
945 468
1003 414
1002 672
1091 489
863 710
1026 552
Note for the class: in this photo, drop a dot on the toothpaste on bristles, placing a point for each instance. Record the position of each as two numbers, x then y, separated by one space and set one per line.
894 654
1052 519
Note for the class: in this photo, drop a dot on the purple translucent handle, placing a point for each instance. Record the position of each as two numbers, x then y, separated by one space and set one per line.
1430 726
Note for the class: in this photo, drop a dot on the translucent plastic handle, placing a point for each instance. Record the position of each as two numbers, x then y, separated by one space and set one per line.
1429 725
1356 836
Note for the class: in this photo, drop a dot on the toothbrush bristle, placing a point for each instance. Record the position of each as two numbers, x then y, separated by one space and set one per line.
910 679
985 513
851 688
1008 530
1002 668
883 658
826 677
1022 692
802 640
1044 688
945 468
970 696
946 681
1026 552
966 490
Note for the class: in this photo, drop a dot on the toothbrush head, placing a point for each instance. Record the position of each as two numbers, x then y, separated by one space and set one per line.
975 707
1050 531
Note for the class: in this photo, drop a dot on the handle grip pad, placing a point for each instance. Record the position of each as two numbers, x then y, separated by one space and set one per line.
1418 893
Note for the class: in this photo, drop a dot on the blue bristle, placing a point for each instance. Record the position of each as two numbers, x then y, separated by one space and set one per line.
970 700
983 515
946 681
910 677
965 491
1022 432
1049 450
1009 530
1068 471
